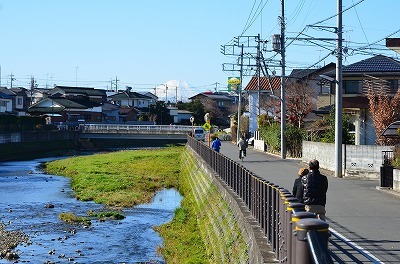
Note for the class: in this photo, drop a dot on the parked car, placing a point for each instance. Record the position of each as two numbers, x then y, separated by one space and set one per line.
199 133
250 141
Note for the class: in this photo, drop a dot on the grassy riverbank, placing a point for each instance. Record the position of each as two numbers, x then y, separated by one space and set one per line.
127 178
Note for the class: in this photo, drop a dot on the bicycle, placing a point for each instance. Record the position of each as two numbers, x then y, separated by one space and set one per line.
241 154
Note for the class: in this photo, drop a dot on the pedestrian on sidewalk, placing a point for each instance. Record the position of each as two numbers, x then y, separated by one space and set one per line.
298 186
216 144
242 144
315 186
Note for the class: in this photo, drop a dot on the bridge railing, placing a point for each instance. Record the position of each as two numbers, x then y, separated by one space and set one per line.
148 129
295 236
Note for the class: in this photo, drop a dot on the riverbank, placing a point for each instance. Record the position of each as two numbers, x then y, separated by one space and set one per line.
127 178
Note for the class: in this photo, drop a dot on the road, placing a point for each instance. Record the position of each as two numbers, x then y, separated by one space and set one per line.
368 217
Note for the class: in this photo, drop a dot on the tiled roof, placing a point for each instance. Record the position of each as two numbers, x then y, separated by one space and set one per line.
82 90
378 63
214 96
131 95
266 83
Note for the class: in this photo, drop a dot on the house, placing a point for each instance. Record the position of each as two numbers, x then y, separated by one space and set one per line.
36 94
376 71
65 110
127 114
19 100
71 104
220 104
110 112
184 117
137 101
173 112
261 93
131 99
79 93
6 102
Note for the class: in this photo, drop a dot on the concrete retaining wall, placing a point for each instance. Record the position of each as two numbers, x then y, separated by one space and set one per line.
358 160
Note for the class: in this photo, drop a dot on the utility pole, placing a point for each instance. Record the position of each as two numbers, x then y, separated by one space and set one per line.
240 96
32 86
116 84
258 74
338 99
12 79
176 95
283 84
76 76
166 94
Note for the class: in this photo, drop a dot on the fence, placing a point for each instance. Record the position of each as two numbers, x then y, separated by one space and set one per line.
292 233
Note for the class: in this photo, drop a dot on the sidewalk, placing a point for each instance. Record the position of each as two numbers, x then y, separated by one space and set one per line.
356 208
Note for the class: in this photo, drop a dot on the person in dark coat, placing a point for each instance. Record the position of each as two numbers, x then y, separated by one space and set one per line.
298 186
315 186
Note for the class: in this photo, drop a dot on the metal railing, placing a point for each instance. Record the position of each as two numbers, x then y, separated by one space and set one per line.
295 236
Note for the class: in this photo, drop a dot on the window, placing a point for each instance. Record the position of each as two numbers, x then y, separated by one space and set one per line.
351 87
220 103
19 101
394 85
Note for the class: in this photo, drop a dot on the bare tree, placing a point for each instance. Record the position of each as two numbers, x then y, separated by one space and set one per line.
300 101
384 109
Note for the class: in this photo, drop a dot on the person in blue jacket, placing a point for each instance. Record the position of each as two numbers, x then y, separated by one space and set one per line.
216 144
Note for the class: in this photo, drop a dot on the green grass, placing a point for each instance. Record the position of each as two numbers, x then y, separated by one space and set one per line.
124 178
73 219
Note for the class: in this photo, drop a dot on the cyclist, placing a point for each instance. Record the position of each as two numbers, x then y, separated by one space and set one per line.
242 144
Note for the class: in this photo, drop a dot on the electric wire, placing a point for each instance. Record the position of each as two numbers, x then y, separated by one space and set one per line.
335 15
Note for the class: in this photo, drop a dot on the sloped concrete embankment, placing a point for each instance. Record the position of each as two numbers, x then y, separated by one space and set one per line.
230 233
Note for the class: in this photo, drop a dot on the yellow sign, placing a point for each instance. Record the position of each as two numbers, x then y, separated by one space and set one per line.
207 126
234 80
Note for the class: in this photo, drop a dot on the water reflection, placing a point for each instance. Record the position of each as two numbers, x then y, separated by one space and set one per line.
25 192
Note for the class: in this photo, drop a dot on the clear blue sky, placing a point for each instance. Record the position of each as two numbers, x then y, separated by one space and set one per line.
149 42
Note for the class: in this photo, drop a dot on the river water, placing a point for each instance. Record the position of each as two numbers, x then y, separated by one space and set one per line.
25 192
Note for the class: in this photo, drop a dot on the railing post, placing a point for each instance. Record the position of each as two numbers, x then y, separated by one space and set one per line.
303 226
295 218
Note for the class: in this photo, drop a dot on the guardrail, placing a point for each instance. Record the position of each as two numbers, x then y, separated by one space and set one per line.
294 235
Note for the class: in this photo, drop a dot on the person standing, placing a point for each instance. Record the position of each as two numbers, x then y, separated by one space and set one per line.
242 144
298 186
315 186
216 144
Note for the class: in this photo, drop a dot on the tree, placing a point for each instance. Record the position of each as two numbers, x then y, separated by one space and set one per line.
384 109
196 107
159 112
299 102
329 135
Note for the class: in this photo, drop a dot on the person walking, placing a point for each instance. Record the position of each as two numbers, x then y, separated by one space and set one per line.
216 144
242 144
298 186
315 186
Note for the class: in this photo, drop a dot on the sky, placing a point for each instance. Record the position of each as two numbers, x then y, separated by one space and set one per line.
149 43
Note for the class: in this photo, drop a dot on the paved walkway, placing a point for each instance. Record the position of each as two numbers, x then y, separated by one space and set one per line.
356 209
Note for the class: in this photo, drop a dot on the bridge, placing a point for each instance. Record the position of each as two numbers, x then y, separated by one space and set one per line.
121 131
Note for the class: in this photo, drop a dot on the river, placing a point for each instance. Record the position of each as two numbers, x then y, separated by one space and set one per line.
26 192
